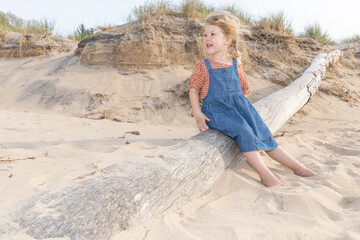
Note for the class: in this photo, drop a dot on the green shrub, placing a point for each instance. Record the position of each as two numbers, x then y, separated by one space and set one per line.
81 33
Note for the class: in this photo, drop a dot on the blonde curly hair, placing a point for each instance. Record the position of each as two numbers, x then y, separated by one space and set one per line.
229 25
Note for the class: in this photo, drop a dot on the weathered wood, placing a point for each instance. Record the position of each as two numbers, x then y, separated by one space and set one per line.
100 207
278 107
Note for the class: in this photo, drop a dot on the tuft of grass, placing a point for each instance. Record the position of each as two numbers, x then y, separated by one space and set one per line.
276 22
11 23
195 8
354 38
314 31
340 91
43 26
244 17
189 8
150 10
81 33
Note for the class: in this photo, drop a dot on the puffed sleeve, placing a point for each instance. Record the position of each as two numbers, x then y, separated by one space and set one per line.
243 80
197 78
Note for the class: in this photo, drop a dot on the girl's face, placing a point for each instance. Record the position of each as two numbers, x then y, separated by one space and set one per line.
215 41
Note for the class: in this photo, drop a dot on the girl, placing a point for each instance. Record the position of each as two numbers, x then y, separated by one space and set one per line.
223 87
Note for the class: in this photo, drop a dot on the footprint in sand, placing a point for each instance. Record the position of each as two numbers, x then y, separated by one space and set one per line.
350 202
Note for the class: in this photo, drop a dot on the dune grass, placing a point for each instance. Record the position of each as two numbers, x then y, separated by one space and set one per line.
314 31
195 8
40 26
354 38
189 8
244 16
150 10
273 22
276 22
10 22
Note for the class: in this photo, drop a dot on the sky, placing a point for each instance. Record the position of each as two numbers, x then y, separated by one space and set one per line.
340 19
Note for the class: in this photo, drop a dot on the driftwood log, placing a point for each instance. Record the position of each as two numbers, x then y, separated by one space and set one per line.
100 207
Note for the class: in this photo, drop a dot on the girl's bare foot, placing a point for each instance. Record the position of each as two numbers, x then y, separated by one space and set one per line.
304 172
271 181
266 176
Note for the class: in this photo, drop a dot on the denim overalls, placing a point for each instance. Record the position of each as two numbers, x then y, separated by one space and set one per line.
231 112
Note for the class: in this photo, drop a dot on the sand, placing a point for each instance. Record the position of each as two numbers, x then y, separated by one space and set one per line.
326 206
45 146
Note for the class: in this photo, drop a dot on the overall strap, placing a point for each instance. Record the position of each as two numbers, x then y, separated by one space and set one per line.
207 63
235 63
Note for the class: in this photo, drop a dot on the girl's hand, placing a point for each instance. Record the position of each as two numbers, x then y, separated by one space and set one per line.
200 120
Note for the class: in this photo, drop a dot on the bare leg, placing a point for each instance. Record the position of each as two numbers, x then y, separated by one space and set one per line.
266 176
279 155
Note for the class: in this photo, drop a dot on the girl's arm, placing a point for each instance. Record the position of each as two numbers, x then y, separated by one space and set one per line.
195 105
